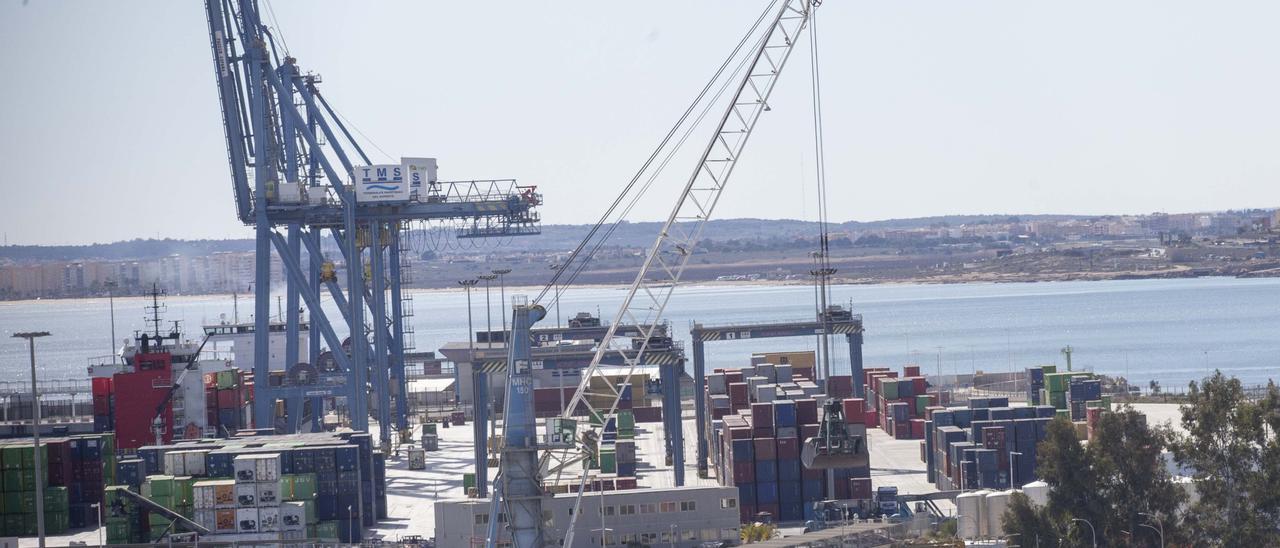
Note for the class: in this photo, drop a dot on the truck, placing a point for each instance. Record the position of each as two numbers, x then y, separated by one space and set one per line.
886 500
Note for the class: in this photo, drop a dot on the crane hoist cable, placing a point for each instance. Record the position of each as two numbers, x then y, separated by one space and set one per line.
604 218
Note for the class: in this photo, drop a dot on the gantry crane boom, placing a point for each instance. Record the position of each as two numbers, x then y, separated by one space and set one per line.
666 259
293 180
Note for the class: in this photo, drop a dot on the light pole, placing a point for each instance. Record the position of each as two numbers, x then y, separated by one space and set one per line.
1013 472
1092 533
35 429
352 519
502 296
467 285
111 299
97 510
1158 522
488 310
555 282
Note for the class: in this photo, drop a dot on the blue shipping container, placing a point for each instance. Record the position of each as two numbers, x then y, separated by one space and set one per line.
766 471
747 494
743 450
789 492
812 490
766 492
789 470
784 413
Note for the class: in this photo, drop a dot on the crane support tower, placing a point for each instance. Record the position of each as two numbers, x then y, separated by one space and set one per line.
297 176
783 24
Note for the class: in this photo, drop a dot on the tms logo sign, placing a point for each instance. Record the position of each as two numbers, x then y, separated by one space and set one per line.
380 183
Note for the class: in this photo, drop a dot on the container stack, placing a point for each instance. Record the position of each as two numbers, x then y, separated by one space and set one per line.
900 403
226 395
617 460
759 424
104 404
987 445
74 469
261 488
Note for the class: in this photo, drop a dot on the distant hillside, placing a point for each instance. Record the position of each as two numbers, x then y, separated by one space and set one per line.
553 237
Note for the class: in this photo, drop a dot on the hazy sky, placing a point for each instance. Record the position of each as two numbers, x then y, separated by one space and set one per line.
110 127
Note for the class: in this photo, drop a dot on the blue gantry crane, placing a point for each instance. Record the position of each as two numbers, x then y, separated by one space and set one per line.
299 176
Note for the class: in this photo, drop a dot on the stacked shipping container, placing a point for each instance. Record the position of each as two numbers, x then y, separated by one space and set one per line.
74 469
760 417
987 445
323 486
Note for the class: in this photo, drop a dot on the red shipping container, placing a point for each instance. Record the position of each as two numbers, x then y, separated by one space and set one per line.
734 376
101 386
854 409
807 411
902 430
859 488
762 415
809 431
738 394
843 490
788 448
744 472
911 371
840 386
625 483
102 405
765 449
872 418
648 414
228 398
813 474
917 429
919 386
740 433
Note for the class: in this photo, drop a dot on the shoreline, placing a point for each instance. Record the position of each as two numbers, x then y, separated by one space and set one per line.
946 279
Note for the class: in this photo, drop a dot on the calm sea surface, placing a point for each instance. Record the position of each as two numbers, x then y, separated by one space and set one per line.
1171 330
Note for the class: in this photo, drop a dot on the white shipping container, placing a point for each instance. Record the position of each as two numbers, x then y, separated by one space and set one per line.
268 467
202 491
293 516
783 372
247 520
268 493
246 495
194 462
207 518
268 519
245 467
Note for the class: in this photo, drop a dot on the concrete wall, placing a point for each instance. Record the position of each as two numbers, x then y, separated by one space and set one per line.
645 516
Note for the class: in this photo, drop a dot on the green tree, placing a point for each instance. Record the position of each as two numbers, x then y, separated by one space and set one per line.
1127 459
1032 524
1230 444
1116 482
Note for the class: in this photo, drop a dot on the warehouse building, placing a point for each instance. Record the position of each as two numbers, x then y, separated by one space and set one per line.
683 517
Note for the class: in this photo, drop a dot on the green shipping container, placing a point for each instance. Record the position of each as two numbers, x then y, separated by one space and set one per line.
157 532
626 422
922 403
184 491
429 428
327 530
29 456
19 502
13 524
1058 400
55 523
56 498
468 481
11 457
609 462
158 486
228 379
1063 414
118 532
19 480
889 389
1049 369
298 487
